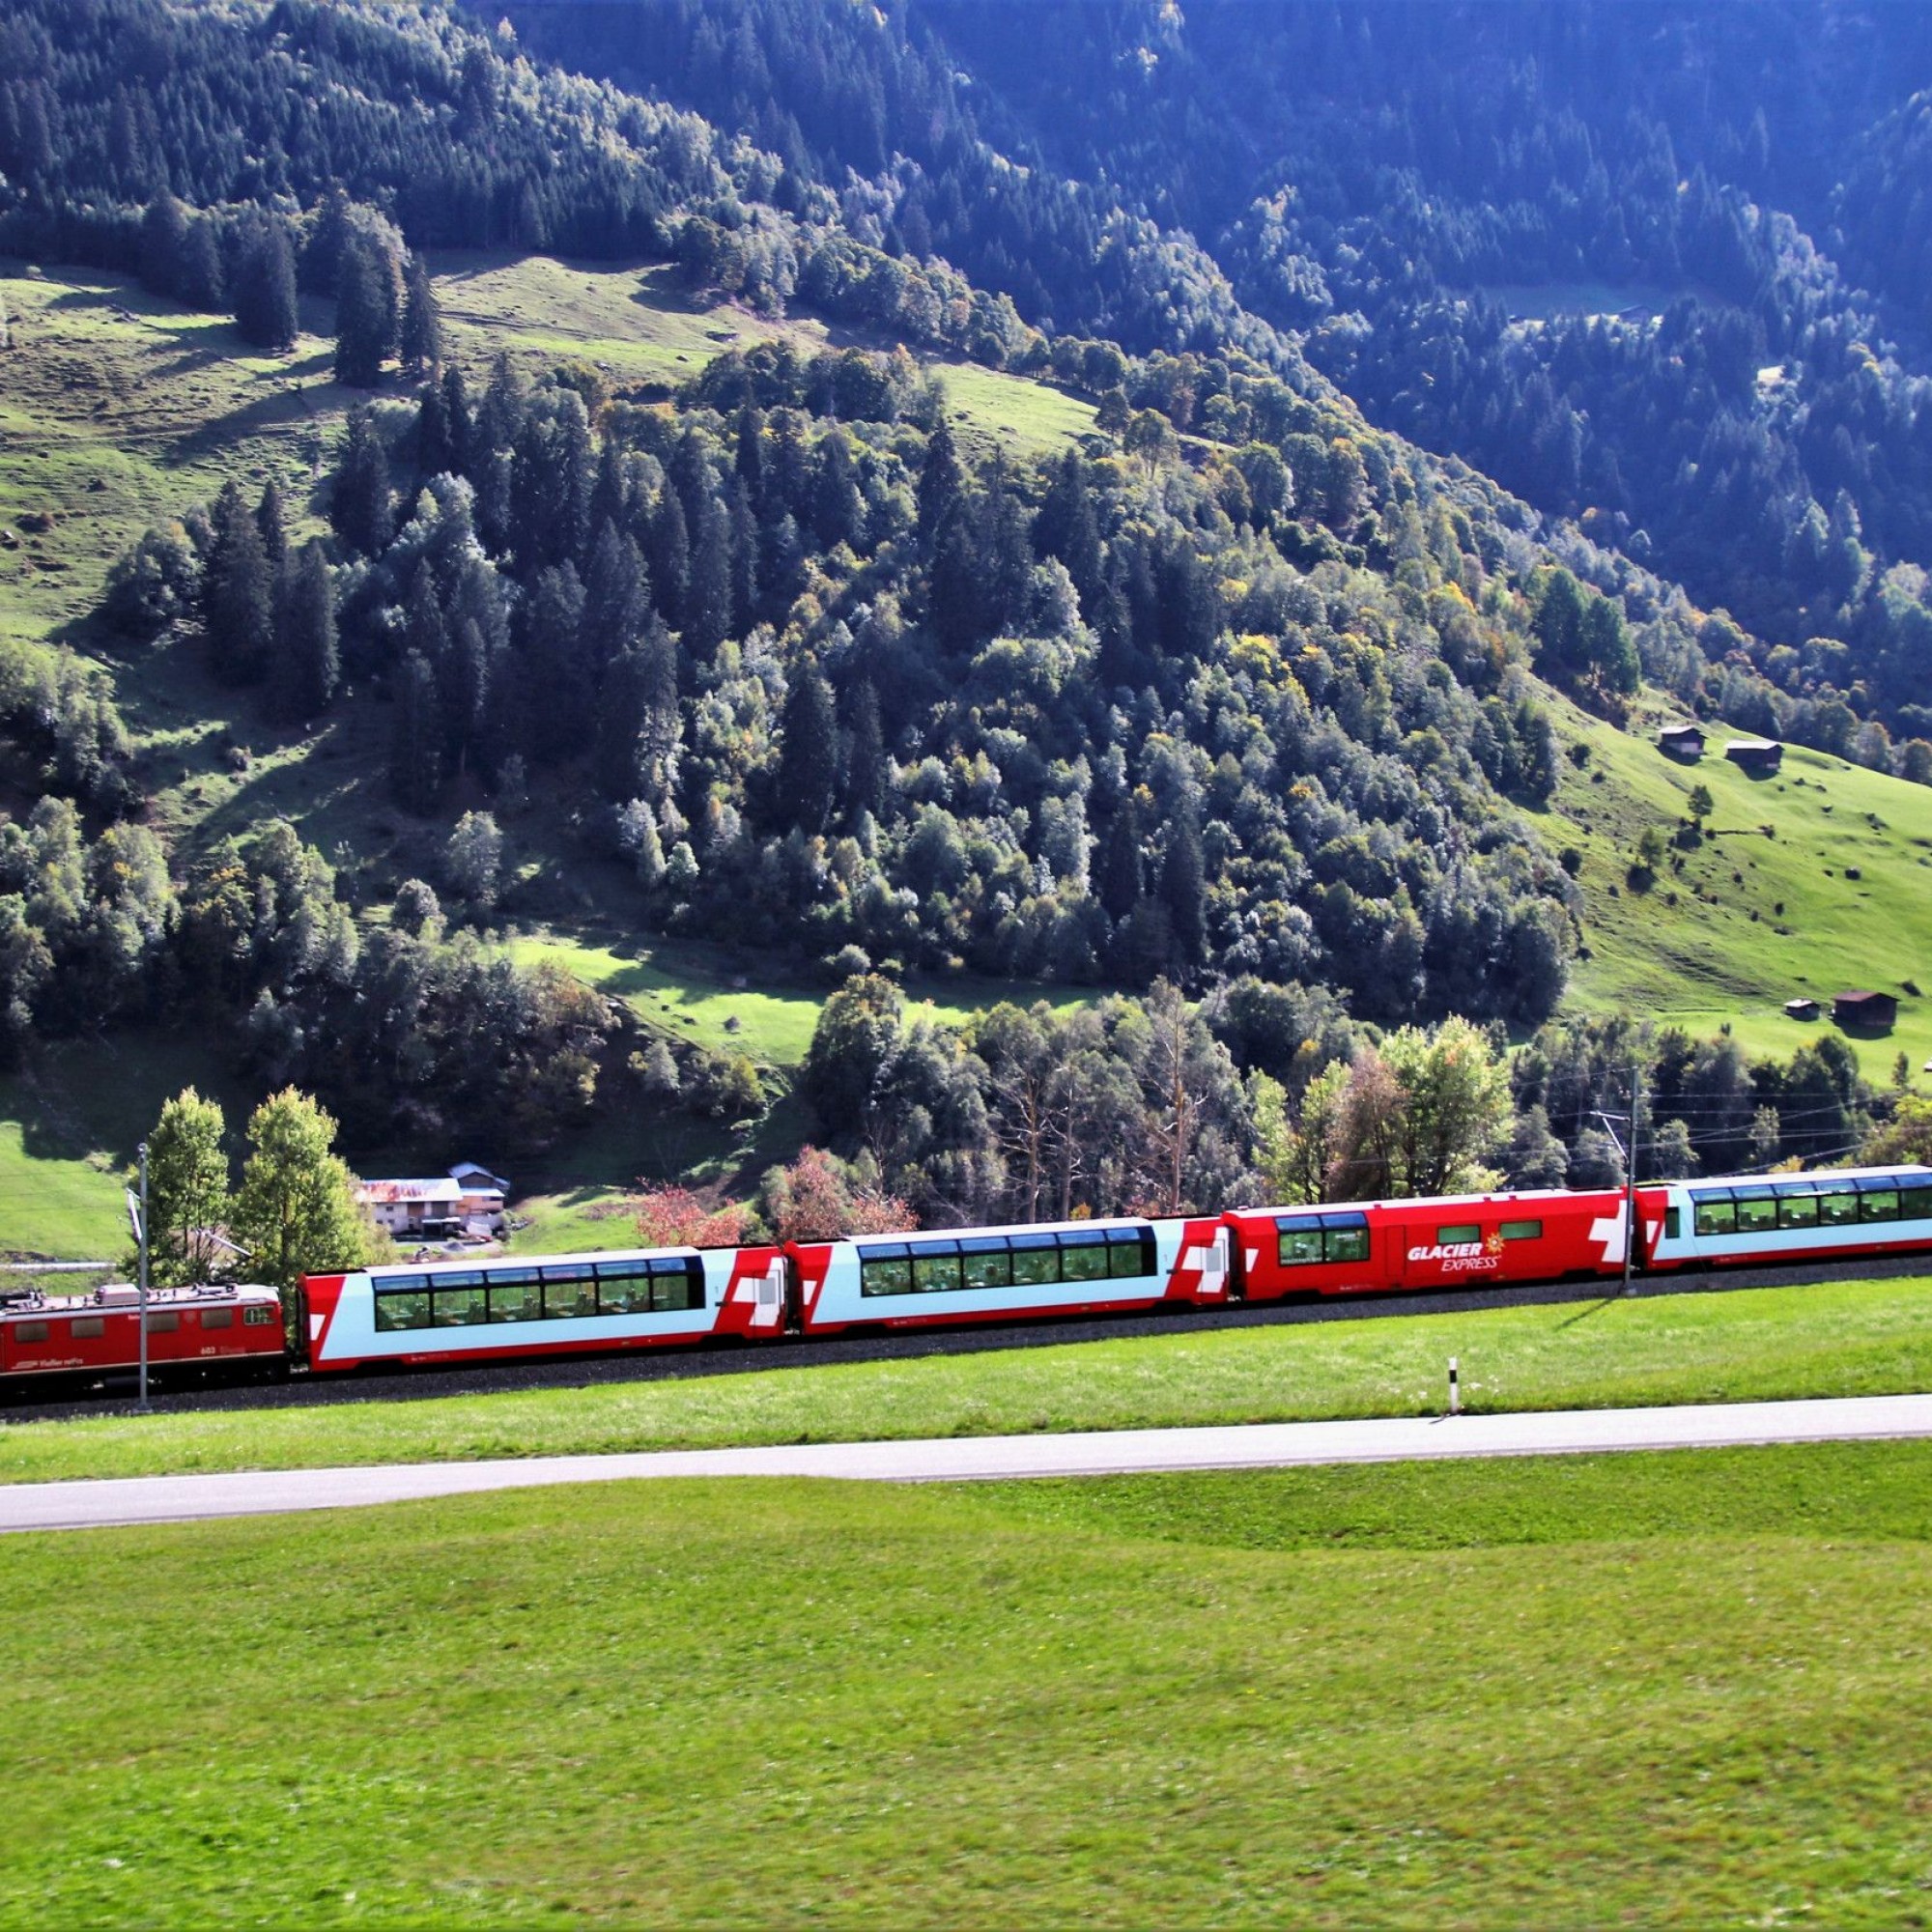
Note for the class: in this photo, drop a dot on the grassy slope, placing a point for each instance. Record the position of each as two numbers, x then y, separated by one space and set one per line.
929 1707
1705 961
117 410
1864 1338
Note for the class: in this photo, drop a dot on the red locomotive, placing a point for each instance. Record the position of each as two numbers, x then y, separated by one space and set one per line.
73 1337
473 1312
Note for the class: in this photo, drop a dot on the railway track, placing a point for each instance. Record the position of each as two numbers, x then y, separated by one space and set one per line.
115 1395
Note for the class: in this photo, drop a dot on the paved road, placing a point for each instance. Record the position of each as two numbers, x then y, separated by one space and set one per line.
85 1505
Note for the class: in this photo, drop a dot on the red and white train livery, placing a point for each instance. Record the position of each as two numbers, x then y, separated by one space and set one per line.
82 1336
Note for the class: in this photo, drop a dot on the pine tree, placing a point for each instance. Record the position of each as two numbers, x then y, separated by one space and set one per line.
671 556
616 597
1121 874
1184 888
237 592
622 712
163 245
808 753
707 598
272 521
308 665
940 484
434 452
200 281
865 756
422 321
360 510
463 674
365 315
415 744
836 509
265 287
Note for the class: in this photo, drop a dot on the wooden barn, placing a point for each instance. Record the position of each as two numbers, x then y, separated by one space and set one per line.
1802 1010
1759 756
1682 740
1865 1009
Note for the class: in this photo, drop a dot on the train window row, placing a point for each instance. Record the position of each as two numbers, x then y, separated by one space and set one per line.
1776 1205
1005 1261
573 1291
1308 1239
160 1322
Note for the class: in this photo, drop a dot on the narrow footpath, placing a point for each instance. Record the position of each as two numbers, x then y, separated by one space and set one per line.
147 1500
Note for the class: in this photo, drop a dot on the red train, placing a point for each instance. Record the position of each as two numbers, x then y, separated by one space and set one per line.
465 1311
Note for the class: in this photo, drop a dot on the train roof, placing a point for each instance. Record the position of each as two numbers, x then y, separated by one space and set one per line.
124 1296
388 1270
1817 1176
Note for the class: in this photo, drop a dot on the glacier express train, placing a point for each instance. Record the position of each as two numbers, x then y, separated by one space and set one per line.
466 1312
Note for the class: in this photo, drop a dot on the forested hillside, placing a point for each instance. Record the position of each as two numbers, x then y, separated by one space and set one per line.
766 474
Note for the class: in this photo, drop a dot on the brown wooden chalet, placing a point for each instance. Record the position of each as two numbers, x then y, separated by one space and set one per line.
1682 740
1802 1008
1865 1009
1760 756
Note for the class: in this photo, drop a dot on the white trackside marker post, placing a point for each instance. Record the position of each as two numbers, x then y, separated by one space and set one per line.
1455 1389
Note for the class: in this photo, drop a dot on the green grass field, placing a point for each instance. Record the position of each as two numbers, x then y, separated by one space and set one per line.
1654 1689
1869 1338
1708 946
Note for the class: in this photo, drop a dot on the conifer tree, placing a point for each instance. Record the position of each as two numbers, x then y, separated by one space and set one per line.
415 744
616 597
808 753
865 756
308 666
200 281
163 245
940 484
707 598
272 521
1182 889
265 287
365 315
422 321
359 509
237 592
1121 874
671 556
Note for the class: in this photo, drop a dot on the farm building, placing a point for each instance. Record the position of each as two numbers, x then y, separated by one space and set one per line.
1864 1009
1802 1010
1682 740
1760 756
468 1200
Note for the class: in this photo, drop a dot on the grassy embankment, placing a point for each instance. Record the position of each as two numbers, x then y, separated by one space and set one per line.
1869 1338
1678 1688
118 411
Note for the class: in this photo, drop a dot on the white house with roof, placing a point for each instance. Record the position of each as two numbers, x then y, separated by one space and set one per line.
467 1200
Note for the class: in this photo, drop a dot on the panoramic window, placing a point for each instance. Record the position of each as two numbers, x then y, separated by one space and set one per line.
1838 1209
1523 1231
1083 1261
885 1271
402 1308
986 1264
1036 1261
459 1307
570 1292
1878 1204
1347 1240
934 1273
1915 1203
515 1295
1127 1259
1715 1217
1757 1214
1797 1208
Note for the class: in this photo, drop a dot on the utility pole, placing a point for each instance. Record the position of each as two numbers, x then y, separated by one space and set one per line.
141 1276
1631 1225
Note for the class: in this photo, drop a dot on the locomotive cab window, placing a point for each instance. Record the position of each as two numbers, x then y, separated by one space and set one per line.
258 1316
